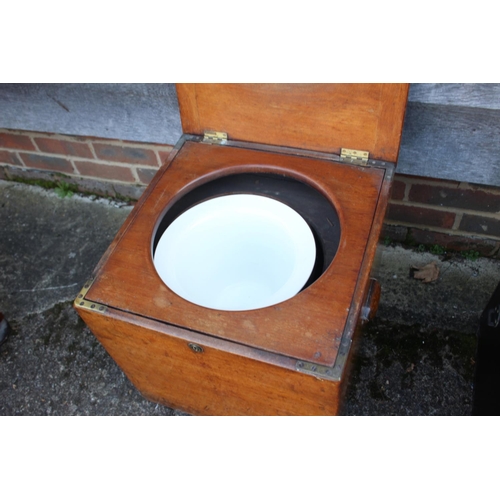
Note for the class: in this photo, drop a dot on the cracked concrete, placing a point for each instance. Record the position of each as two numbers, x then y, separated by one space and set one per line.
415 358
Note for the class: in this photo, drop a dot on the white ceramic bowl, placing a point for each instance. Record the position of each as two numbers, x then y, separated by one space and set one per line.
236 253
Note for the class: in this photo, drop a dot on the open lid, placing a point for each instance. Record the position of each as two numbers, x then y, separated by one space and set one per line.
319 117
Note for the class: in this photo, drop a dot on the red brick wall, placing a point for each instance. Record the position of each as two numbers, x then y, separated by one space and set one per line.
458 216
455 215
101 165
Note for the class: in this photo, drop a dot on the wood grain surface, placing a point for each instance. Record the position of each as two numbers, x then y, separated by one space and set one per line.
320 117
159 362
309 325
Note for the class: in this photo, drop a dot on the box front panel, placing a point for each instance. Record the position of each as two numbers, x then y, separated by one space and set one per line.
165 369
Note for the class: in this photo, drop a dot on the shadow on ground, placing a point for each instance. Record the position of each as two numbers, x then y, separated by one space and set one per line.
410 370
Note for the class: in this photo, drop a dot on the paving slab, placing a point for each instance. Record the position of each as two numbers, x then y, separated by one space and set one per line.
49 245
415 358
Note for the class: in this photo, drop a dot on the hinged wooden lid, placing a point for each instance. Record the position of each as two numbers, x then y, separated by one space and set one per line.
319 117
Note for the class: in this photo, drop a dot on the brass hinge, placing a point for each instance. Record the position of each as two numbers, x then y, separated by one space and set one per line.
354 156
83 303
213 137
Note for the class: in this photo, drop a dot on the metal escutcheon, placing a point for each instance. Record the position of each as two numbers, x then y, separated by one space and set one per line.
195 347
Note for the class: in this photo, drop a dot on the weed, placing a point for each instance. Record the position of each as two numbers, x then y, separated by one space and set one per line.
387 241
434 249
470 254
437 250
410 239
121 197
64 190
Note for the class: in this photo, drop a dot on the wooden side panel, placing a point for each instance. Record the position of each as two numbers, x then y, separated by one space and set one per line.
214 382
319 117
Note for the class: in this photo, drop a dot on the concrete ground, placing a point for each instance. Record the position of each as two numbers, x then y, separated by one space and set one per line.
415 358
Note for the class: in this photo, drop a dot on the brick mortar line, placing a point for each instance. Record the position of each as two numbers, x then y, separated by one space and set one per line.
107 179
158 159
80 158
76 174
92 150
84 158
454 210
143 145
100 179
135 175
74 167
86 139
148 167
114 164
154 150
20 159
462 186
441 230
407 192
407 178
35 144
458 220
114 181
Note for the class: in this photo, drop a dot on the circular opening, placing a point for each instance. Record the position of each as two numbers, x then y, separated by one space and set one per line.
311 204
236 252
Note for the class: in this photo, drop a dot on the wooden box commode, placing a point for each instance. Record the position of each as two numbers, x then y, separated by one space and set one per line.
327 152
